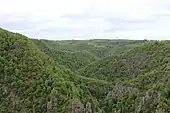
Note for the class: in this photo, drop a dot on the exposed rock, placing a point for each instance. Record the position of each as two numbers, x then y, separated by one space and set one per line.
79 107
52 105
119 89
147 102
88 108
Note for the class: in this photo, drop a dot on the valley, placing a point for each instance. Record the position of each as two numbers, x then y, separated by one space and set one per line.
83 76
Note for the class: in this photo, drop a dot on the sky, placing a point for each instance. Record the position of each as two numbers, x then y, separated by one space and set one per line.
87 19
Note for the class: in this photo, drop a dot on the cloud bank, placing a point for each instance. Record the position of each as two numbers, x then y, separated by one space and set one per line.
86 19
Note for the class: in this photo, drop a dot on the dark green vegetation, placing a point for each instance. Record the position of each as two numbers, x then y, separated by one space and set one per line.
71 59
32 82
79 53
90 76
141 79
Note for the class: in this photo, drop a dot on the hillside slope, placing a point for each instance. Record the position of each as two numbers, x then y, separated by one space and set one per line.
130 64
31 82
73 60
127 77
76 54
140 77
98 47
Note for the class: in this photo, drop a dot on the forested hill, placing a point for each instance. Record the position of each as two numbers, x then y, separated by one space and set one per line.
132 63
99 47
31 82
76 54
90 76
73 60
141 79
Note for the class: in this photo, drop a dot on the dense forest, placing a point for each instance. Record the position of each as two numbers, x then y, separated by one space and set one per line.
83 76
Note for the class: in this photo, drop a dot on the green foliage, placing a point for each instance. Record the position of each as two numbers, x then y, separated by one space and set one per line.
99 48
72 60
141 74
76 54
31 82
83 76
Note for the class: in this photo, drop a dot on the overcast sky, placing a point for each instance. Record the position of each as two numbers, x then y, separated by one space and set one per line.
86 19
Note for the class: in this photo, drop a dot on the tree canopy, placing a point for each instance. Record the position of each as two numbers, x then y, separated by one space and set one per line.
83 76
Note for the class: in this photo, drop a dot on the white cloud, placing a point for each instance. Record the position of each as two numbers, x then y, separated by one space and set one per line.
78 18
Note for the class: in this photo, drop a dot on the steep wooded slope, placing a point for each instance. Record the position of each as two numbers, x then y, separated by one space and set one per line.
75 54
135 79
140 77
130 64
73 60
31 82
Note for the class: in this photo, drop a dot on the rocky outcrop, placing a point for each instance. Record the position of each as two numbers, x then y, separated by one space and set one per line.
78 107
119 89
148 102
